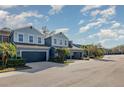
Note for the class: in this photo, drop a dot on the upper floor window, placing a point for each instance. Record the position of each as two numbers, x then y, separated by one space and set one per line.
31 39
20 37
60 42
55 41
4 38
39 39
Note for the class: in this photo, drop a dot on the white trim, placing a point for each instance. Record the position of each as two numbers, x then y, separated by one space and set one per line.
58 40
61 42
54 39
18 37
47 52
29 39
41 39
61 33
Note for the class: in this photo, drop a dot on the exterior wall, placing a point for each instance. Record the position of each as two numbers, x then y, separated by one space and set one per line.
58 38
26 33
48 41
20 50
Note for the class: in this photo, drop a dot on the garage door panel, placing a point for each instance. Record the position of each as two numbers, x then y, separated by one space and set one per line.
30 56
77 55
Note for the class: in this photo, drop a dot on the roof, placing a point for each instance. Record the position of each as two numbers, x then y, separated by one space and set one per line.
28 27
53 33
74 47
22 27
77 45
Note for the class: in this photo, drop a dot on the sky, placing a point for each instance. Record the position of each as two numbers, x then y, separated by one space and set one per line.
82 24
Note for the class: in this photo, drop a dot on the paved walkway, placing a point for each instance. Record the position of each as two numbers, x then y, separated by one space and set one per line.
106 72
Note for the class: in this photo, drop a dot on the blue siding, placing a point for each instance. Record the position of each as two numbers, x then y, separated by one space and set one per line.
48 41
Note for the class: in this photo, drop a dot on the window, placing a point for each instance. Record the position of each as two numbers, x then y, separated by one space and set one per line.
39 39
31 39
5 38
60 42
65 42
55 41
20 37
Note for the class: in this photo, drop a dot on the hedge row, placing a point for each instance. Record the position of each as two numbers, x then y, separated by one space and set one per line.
14 63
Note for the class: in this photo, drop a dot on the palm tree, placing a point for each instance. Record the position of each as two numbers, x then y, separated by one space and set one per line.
8 50
12 50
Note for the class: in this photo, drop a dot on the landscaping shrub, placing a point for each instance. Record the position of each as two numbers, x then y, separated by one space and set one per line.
62 54
58 60
15 63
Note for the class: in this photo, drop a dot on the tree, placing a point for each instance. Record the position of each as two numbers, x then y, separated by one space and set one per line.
62 53
7 50
93 51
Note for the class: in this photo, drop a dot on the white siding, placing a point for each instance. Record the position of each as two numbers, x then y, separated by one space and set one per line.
26 33
58 38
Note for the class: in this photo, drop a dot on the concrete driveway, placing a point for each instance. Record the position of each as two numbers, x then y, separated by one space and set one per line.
94 73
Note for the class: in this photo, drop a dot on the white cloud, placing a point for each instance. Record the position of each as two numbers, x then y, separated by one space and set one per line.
3 14
102 19
109 11
107 33
17 20
88 8
84 28
120 31
81 22
90 25
94 13
121 37
116 25
104 13
115 31
64 30
29 14
106 37
55 9
104 34
7 6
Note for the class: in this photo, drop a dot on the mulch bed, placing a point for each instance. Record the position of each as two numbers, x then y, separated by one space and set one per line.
9 69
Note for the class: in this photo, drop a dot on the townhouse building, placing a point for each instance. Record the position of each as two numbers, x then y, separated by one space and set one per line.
35 46
60 40
30 44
